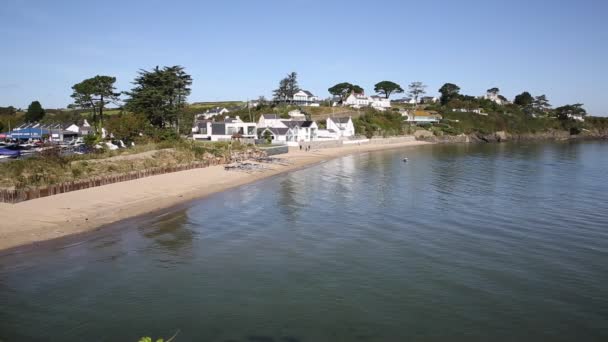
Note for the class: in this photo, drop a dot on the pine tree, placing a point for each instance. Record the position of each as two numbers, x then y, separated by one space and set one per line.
35 112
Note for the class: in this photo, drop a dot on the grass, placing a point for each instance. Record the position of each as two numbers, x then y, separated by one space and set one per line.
51 168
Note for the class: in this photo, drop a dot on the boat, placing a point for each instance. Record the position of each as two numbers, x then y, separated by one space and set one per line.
405 160
6 153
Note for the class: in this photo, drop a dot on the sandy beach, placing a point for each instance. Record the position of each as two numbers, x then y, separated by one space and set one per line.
53 217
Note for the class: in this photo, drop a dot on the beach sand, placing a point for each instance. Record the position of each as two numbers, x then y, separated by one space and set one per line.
76 212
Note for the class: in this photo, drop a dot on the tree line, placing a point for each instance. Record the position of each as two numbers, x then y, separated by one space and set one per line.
159 94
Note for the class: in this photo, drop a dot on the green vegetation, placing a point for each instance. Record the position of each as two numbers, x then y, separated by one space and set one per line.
344 89
94 94
449 91
160 94
52 168
416 89
387 123
387 88
35 112
288 87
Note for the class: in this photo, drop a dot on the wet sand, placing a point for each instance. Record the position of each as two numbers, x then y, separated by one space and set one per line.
86 210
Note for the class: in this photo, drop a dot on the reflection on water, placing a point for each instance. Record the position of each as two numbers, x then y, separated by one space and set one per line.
463 242
171 232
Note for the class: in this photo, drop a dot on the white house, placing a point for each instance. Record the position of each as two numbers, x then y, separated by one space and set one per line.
478 111
222 131
305 98
357 100
576 117
300 131
428 99
379 103
270 120
277 135
343 127
83 129
362 100
496 98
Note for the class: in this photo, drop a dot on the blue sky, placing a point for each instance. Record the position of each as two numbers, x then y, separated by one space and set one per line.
239 49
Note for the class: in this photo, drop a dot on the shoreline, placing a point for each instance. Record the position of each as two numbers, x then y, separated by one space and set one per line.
31 223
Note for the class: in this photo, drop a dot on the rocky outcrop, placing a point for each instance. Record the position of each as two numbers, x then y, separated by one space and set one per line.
422 134
503 136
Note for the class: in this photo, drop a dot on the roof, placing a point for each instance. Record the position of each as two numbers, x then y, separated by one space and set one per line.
28 133
216 110
292 124
308 93
278 131
307 123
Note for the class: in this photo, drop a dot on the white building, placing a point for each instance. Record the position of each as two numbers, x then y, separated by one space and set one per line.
357 100
83 129
305 98
362 100
478 111
223 131
379 103
301 131
576 117
270 120
291 131
496 98
343 127
277 135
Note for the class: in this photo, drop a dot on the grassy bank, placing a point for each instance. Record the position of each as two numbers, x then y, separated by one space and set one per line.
51 168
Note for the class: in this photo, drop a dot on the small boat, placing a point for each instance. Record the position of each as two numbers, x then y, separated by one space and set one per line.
405 160
8 153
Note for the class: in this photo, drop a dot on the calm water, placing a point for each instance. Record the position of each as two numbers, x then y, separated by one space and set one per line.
472 243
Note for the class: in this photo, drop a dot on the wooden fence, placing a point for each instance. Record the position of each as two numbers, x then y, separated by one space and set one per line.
20 195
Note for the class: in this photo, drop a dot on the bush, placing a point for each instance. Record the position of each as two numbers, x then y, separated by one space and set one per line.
91 140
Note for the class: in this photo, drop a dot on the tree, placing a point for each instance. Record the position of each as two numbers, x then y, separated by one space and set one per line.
344 89
160 94
541 103
448 92
288 87
524 99
416 89
387 88
127 127
95 93
493 91
568 111
35 112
